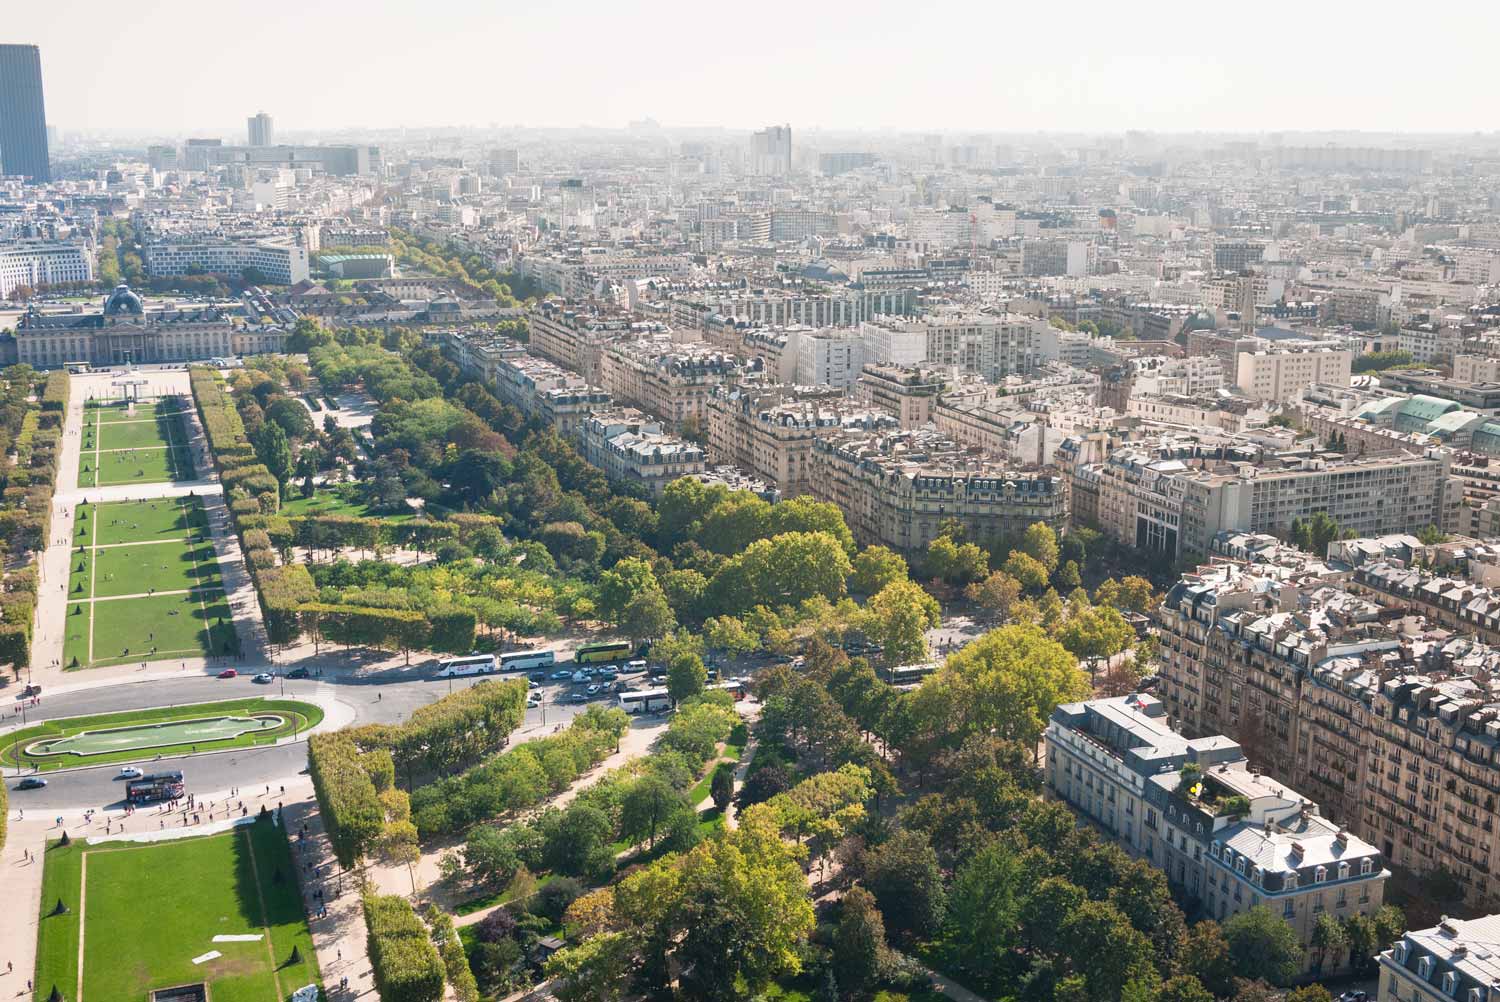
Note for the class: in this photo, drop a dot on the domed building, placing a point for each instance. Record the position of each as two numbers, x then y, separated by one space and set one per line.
123 301
123 332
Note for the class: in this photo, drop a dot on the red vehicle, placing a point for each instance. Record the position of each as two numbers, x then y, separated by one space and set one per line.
229 673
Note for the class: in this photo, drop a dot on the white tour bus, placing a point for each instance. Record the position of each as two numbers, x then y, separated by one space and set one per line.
645 701
478 664
527 660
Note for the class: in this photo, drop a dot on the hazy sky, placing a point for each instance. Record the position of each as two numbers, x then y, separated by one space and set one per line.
173 66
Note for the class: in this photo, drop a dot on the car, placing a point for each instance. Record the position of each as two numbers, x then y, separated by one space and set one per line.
537 676
532 683
130 772
229 673
299 673
561 676
1354 996
264 678
532 702
592 690
31 783
578 697
581 676
607 675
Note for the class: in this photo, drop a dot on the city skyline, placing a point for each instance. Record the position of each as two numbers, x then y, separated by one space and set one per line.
953 70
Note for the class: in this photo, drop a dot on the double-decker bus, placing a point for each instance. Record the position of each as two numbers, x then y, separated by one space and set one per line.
475 664
154 786
527 660
601 654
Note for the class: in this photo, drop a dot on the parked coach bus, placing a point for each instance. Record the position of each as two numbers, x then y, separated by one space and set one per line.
155 786
527 660
656 700
476 664
600 654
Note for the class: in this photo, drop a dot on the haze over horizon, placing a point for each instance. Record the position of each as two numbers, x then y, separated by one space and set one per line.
1101 68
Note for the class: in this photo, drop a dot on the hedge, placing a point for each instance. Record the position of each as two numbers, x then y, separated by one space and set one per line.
351 809
282 591
406 965
451 950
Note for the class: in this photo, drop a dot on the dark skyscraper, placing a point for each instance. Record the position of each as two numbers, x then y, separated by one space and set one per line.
23 120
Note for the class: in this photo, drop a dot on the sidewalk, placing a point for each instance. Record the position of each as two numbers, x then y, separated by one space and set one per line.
338 936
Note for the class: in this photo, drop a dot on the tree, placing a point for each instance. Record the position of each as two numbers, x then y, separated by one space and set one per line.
647 616
875 567
596 970
1105 948
743 913
1045 911
1261 943
1184 988
648 804
1030 572
730 635
721 787
1315 533
858 942
984 908
577 840
997 593
1067 577
1097 632
898 618
686 677
273 450
1005 684
1328 935
1039 542
1308 993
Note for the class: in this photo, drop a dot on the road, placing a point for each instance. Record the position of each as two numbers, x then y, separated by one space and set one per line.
388 699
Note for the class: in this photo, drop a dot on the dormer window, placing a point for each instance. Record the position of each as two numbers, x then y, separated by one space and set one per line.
1450 983
1343 871
1320 874
1213 850
1290 883
1399 951
1424 968
1239 864
1366 865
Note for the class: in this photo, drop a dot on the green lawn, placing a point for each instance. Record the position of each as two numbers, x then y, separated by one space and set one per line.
12 754
128 570
140 521
144 447
147 910
148 545
154 628
325 502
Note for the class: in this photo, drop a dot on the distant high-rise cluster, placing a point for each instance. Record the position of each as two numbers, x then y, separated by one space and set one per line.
771 151
23 117
261 130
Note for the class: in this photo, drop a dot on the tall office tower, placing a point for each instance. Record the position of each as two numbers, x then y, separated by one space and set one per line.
23 119
771 151
262 132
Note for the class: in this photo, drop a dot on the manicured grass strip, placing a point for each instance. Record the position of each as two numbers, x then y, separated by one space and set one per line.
142 927
142 521
308 715
170 566
329 503
157 628
57 935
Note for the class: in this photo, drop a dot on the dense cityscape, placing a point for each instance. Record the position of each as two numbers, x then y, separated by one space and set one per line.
788 563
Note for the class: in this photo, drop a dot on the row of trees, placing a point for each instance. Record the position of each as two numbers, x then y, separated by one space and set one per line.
31 416
353 769
520 778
